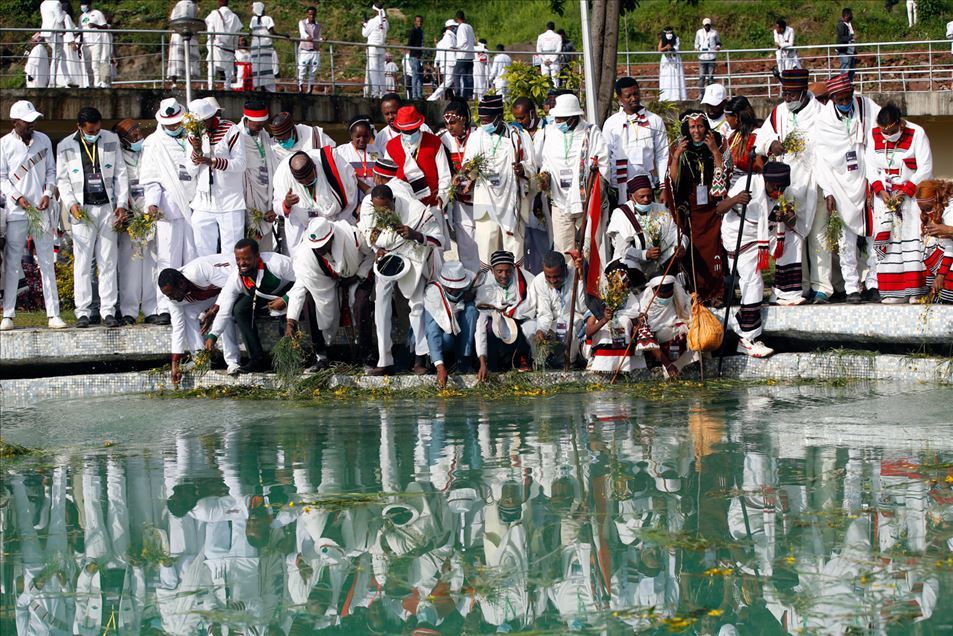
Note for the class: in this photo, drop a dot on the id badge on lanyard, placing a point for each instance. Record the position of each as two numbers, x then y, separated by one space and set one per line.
565 177
136 191
95 184
701 194
851 159
618 336
494 179
263 175
184 174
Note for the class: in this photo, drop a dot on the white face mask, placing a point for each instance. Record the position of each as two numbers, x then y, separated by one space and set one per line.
794 106
412 138
894 137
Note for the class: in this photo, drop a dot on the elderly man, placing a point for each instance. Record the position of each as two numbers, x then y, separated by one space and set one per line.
841 131
221 47
137 275
289 137
407 241
506 302
375 31
552 294
643 233
450 317
311 184
331 261
218 170
168 186
635 137
27 184
500 194
192 291
664 335
760 217
791 120
566 156
260 165
258 288
93 186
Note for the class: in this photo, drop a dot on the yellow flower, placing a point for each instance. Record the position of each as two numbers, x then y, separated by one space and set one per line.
790 560
949 479
291 504
715 612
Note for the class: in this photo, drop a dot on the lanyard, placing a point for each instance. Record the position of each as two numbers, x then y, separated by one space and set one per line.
261 147
496 145
91 155
567 144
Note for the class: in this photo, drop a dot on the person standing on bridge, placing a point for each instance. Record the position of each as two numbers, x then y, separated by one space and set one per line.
37 68
464 46
846 39
27 183
51 11
375 30
548 46
96 46
309 57
263 69
786 55
176 66
707 41
221 47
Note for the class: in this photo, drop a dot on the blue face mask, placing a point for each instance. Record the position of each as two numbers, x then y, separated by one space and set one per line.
288 143
136 146
663 302
643 208
412 138
455 298
90 139
845 108
489 128
563 127
175 132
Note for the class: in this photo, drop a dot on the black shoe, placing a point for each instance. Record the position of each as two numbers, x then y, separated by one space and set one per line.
853 299
111 322
128 320
871 295
380 371
163 319
82 322
95 320
258 365
152 319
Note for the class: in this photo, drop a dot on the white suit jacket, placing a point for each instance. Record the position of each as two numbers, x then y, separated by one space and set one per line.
69 169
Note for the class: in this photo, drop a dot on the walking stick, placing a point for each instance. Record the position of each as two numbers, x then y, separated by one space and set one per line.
734 266
691 247
580 243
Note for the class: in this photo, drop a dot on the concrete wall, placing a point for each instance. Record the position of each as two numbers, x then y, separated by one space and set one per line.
63 104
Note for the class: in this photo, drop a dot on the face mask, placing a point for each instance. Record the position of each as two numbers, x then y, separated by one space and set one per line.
489 128
643 207
894 137
84 8
663 302
795 106
455 298
845 108
412 138
288 143
90 139
175 132
136 146
563 127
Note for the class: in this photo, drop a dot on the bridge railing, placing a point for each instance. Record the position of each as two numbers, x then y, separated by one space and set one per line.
141 56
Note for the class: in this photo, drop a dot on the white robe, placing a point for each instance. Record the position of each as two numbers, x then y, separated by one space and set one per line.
500 194
672 76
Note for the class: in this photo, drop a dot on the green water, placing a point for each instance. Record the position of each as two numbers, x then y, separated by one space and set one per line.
765 510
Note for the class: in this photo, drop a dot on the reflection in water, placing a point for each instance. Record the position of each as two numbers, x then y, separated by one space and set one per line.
768 510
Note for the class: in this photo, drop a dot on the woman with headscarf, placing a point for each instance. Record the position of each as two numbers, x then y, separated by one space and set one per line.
671 74
696 182
454 136
744 126
935 200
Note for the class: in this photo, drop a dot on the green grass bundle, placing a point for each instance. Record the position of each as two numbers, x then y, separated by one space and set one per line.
36 220
201 363
833 232
287 359
255 224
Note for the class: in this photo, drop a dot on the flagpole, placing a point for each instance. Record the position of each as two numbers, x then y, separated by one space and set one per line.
588 73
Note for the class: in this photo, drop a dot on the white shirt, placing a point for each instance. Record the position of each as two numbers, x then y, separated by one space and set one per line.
499 194
640 140
227 189
86 20
375 29
549 42
707 41
260 27
164 175
183 9
223 20
308 30
501 62
464 41
552 305
52 14
37 68
445 57
36 182
559 156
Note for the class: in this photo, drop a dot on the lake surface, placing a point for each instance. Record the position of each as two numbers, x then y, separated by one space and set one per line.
769 509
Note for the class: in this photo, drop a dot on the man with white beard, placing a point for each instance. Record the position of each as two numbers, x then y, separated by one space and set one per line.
791 120
91 179
218 169
221 48
500 195
260 164
841 131
168 186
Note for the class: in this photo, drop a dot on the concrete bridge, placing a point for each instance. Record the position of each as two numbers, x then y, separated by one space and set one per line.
62 104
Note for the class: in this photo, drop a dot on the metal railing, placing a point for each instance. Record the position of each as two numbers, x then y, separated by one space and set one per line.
911 66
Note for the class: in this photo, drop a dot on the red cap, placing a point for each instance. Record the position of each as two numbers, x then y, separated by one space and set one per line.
408 119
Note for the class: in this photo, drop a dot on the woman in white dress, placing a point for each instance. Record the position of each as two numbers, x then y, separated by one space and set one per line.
73 47
671 74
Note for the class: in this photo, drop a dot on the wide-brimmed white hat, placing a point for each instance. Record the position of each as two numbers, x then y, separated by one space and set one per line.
320 232
202 109
170 112
24 111
392 267
714 94
454 275
504 328
566 106
450 23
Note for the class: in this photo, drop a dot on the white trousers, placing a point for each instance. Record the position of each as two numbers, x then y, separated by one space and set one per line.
174 248
850 265
752 295
447 72
308 63
96 56
911 13
176 65
224 61
59 75
565 227
490 237
375 71
384 319
816 272
209 227
17 232
137 278
187 331
793 252
551 72
95 238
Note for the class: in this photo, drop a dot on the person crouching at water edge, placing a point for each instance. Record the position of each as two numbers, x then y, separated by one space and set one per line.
192 291
553 295
450 318
506 307
610 323
664 334
257 288
764 213
331 266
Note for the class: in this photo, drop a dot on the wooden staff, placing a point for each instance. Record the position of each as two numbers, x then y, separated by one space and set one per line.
580 243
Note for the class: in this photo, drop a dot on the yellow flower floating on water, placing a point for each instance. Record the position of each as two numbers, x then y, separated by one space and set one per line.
715 612
716 571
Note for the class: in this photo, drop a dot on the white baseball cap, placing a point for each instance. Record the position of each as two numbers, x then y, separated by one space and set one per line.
24 110
706 21
566 106
714 94
201 109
